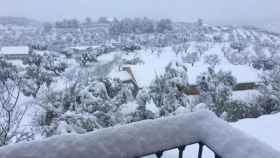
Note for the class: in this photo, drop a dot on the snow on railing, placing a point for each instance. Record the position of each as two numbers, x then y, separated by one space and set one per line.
148 137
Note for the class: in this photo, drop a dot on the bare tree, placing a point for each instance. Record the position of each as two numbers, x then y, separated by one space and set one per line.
11 114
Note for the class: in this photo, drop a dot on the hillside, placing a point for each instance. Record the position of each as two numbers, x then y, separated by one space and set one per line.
255 46
78 79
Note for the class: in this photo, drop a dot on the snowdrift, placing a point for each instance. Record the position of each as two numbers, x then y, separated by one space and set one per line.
146 137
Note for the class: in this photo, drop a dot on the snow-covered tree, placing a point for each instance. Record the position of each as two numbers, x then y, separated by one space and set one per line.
84 105
164 25
236 56
164 89
88 21
239 45
71 23
11 112
146 25
87 57
216 89
237 109
40 70
201 48
269 100
47 27
191 58
141 113
70 110
212 60
181 48
103 20
143 97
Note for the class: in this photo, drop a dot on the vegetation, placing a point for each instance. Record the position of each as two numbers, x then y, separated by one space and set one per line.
72 91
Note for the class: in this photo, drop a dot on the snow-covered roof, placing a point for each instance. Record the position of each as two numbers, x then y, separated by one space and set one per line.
15 50
145 137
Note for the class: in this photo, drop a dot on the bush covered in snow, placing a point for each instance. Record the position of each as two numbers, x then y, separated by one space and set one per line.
216 89
164 91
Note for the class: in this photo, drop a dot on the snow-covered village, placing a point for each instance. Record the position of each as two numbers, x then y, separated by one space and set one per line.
141 79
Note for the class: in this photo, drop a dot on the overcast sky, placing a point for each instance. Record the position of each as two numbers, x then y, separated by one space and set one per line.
219 11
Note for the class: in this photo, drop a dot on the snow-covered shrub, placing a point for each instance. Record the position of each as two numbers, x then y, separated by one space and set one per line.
164 25
164 91
201 48
216 89
181 48
191 58
239 45
263 64
142 113
218 38
269 100
133 61
236 110
66 111
130 47
265 104
236 57
212 60
264 58
83 106
86 58
104 49
41 70
139 26
143 97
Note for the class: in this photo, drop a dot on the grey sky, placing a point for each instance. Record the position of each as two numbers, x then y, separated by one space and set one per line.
220 11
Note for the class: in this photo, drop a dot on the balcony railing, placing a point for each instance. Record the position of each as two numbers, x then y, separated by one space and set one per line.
181 150
149 137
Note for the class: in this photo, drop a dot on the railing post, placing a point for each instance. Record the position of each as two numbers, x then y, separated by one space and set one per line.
159 154
200 150
181 151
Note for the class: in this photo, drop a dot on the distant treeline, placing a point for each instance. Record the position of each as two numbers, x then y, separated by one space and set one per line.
117 26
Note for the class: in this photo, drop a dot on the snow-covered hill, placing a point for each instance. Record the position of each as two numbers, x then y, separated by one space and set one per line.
89 89
237 49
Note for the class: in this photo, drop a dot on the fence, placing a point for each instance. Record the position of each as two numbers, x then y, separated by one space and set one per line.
149 137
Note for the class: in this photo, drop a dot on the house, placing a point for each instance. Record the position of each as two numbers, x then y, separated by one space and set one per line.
125 74
15 53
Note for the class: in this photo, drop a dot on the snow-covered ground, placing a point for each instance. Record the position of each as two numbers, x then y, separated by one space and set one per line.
247 95
155 63
265 129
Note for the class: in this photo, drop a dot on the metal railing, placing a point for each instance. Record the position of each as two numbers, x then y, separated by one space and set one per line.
181 150
149 137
